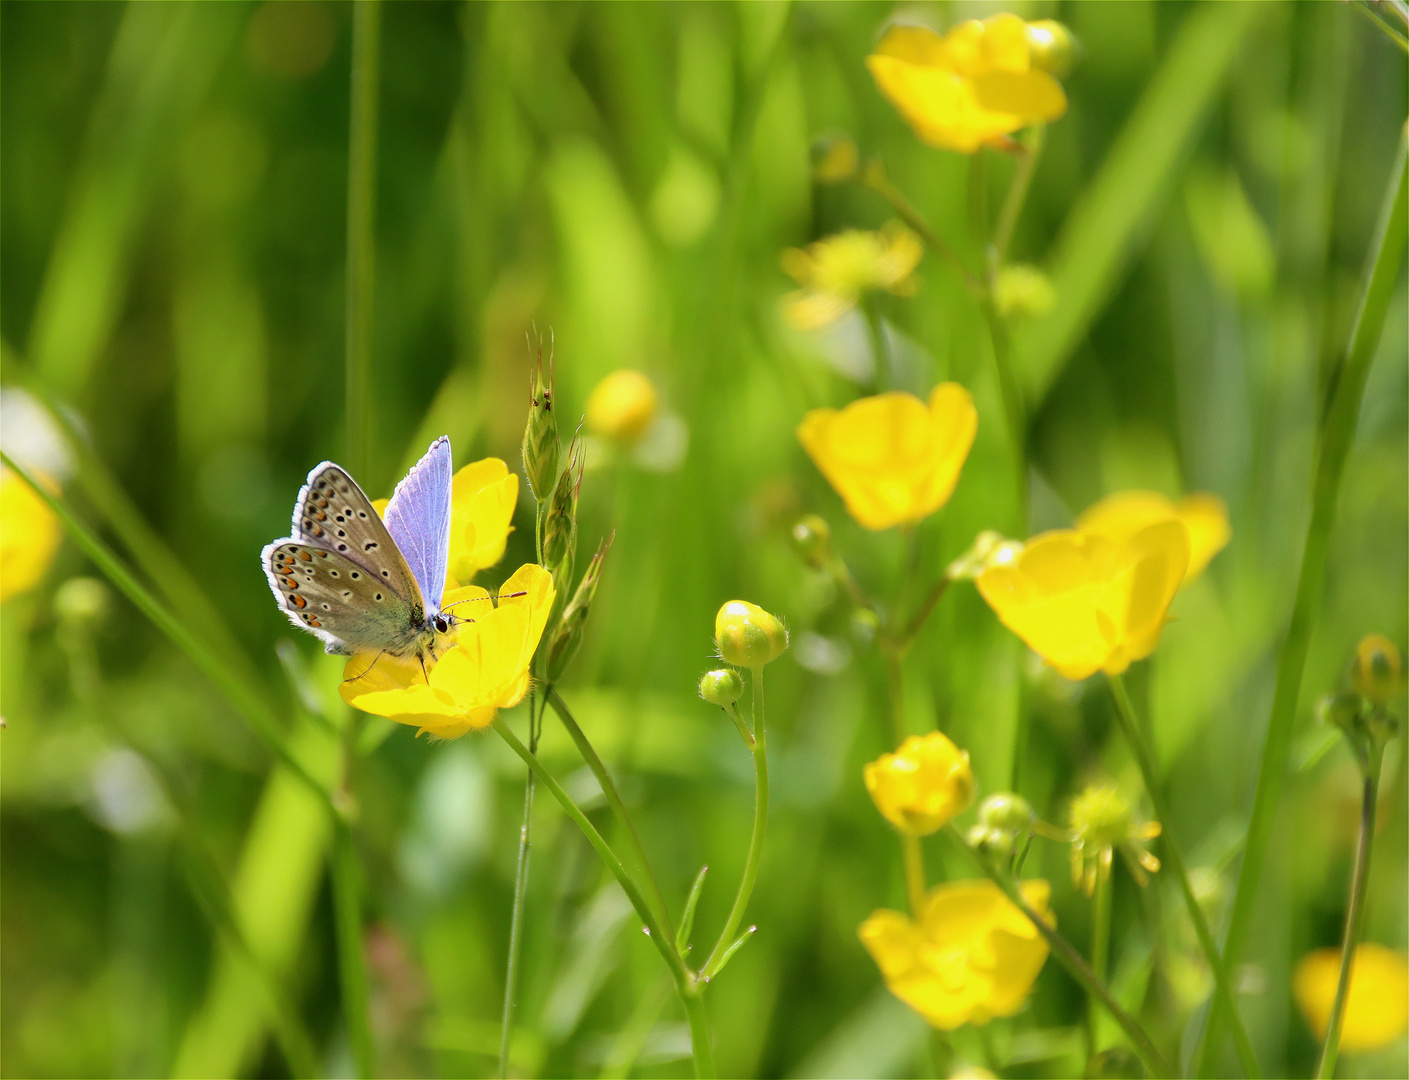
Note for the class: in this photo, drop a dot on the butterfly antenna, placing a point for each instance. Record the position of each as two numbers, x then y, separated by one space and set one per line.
473 599
424 673
369 668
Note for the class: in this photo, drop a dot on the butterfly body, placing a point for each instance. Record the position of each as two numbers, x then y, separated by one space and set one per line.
362 582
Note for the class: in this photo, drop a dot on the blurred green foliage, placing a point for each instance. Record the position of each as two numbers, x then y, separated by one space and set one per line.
172 205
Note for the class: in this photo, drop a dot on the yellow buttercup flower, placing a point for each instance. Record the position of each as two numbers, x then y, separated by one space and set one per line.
484 671
969 955
1377 1005
29 535
975 85
1122 515
922 785
1086 602
892 459
482 501
622 406
834 273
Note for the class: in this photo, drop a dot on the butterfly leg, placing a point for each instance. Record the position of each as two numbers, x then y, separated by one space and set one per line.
369 668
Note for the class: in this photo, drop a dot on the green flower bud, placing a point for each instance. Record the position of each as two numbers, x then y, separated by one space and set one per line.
540 436
812 539
1341 710
747 635
81 601
1051 47
568 634
560 525
988 549
721 687
1006 811
1377 672
834 159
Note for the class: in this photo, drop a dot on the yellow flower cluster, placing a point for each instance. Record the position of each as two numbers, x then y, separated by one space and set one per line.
921 786
892 458
973 86
487 667
834 273
969 954
1096 598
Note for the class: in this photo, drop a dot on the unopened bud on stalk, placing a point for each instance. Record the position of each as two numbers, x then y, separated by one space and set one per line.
722 687
81 601
747 635
1377 672
1341 710
560 525
568 634
1051 48
1004 819
812 539
540 436
988 549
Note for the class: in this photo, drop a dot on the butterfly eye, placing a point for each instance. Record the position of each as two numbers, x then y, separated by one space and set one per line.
442 624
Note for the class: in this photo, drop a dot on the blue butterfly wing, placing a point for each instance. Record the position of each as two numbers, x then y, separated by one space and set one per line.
418 518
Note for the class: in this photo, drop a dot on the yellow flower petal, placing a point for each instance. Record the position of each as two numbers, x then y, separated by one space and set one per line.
29 535
1085 602
487 668
971 954
1125 513
482 501
1377 1005
893 460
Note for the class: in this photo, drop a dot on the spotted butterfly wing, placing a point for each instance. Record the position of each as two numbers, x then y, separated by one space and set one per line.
341 575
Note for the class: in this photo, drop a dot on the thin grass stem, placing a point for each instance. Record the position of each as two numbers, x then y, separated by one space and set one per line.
511 974
614 800
1223 989
1344 395
721 951
361 230
1354 918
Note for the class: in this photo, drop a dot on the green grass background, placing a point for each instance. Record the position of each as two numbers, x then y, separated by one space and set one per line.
172 208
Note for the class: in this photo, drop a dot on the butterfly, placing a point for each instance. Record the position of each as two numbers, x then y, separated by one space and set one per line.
361 581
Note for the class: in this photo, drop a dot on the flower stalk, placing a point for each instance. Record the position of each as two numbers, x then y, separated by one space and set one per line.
361 229
352 962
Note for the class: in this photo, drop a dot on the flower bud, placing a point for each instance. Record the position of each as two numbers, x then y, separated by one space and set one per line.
81 601
1377 672
1022 291
1007 811
721 687
747 635
922 785
834 159
1051 47
988 549
568 634
1341 710
560 524
540 436
622 406
812 539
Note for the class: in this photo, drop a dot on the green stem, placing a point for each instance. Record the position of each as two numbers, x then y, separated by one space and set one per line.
760 824
1346 389
251 708
874 177
614 800
880 349
926 608
1222 986
664 945
895 691
1017 195
1100 938
352 964
700 1040
511 975
1354 917
914 872
361 228
1014 410
1072 960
